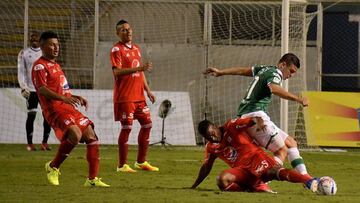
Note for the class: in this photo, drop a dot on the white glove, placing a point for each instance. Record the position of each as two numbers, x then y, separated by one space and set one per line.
25 93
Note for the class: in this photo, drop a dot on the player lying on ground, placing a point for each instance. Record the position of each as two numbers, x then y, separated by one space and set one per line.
266 81
58 106
250 165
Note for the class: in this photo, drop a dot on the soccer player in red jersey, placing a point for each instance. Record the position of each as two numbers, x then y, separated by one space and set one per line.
129 100
59 109
250 166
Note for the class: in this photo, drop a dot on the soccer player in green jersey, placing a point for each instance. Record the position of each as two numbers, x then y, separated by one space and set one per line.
267 81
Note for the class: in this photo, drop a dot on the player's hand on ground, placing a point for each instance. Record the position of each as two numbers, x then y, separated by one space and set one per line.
151 97
25 93
212 71
147 67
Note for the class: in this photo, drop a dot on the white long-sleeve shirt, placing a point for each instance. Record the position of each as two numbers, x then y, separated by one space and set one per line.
26 59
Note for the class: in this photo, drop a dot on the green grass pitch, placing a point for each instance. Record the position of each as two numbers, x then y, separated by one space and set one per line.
23 178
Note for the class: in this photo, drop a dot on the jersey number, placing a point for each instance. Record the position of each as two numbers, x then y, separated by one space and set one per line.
252 86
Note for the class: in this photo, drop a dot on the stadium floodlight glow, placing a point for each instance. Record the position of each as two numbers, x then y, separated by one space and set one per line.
164 110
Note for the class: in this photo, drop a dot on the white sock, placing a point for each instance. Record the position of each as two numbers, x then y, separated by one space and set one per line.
296 160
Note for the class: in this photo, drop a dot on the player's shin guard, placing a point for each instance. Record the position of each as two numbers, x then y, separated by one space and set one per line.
93 157
47 130
123 146
296 160
63 152
143 142
30 126
291 175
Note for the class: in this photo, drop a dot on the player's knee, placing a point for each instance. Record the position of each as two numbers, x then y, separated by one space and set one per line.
290 142
281 153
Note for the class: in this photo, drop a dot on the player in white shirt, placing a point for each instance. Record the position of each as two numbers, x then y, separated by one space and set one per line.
26 58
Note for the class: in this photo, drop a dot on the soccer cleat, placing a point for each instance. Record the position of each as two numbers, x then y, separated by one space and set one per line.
96 182
31 147
312 184
126 169
45 147
52 174
145 166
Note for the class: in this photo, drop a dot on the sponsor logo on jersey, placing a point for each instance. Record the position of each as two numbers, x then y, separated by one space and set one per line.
50 64
135 63
83 121
264 165
114 49
39 67
67 122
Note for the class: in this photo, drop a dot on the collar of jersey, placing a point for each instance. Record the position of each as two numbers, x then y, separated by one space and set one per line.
280 73
35 49
127 45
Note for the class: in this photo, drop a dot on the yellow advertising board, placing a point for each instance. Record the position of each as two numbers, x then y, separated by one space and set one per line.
333 119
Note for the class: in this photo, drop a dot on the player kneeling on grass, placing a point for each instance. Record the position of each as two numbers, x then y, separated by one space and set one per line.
58 106
250 165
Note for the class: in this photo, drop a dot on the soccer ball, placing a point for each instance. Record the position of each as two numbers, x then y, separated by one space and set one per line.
327 186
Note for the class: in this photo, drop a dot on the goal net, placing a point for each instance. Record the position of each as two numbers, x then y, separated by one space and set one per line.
180 38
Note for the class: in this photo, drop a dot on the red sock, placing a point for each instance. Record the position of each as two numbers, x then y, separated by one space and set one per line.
233 187
123 146
143 143
92 156
293 176
63 152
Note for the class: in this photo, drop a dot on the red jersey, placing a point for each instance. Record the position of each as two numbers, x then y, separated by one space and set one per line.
49 74
236 147
127 88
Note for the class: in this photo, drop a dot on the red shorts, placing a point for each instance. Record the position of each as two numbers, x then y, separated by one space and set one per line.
64 119
253 170
126 112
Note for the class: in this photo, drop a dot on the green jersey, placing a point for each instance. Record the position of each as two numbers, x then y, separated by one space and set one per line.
258 94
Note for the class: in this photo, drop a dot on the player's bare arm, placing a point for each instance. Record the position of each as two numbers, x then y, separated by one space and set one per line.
126 71
49 94
245 71
148 91
204 170
83 101
279 91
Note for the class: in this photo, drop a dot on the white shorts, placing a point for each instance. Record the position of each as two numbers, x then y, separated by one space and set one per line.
272 137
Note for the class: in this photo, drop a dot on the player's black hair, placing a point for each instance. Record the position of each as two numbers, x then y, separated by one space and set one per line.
120 23
203 127
34 33
289 59
47 35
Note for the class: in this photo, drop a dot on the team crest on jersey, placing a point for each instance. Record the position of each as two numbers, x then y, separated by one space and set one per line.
276 80
115 49
39 67
230 154
63 82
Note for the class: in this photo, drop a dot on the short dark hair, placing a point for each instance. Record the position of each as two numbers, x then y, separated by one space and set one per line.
289 59
47 35
120 23
203 127
34 33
